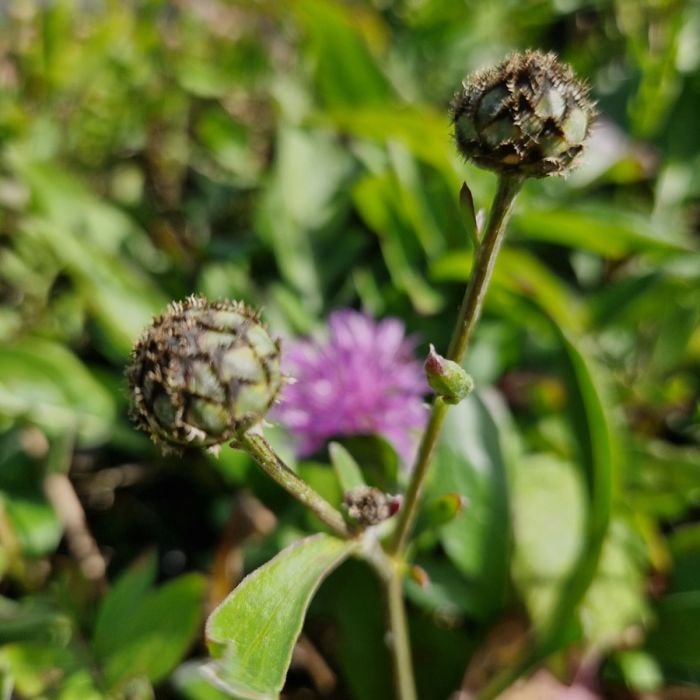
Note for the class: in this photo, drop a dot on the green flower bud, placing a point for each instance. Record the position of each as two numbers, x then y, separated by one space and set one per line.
370 506
447 379
202 373
527 116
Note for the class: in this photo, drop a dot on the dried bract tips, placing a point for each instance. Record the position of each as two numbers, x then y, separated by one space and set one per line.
203 372
528 116
370 506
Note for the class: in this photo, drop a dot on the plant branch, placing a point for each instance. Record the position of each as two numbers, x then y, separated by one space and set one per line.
485 259
261 451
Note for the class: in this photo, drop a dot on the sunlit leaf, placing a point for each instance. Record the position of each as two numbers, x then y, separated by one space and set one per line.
252 633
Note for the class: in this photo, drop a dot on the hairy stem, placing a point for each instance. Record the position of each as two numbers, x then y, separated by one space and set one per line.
261 451
484 261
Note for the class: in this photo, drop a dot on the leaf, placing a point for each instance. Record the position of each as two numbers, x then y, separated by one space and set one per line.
31 621
607 231
345 71
157 630
352 599
190 683
49 670
45 383
252 633
34 523
521 273
470 461
549 519
596 457
380 203
112 627
30 516
346 468
298 203
379 460
466 200
675 639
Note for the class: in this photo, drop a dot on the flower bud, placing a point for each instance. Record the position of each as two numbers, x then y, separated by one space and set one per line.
203 372
370 506
527 116
447 379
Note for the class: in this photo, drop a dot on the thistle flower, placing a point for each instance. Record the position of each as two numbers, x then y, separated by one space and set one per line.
203 372
362 379
528 116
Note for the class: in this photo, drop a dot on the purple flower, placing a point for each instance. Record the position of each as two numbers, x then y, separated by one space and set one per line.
362 379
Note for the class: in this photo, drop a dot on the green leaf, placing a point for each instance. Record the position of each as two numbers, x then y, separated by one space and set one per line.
675 639
381 202
190 683
346 468
607 231
345 71
31 621
112 627
252 633
34 523
29 514
470 461
352 599
380 462
549 520
157 631
519 272
45 383
466 201
597 457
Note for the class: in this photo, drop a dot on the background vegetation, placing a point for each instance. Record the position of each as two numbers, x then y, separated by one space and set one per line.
297 155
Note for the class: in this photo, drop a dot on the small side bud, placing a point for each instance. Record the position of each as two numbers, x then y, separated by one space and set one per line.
446 378
370 506
419 575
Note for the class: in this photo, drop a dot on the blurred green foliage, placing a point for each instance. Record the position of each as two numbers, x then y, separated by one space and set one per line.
297 155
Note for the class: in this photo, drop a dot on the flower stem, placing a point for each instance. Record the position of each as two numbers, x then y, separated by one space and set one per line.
485 259
400 639
261 451
389 571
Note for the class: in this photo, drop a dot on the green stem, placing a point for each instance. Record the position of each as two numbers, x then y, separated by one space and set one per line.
485 259
261 451
400 641
389 571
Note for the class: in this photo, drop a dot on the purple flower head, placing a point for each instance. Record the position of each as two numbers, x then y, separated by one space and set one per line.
362 379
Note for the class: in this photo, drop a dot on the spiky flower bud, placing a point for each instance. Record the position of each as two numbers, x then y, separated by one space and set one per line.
370 506
203 372
446 378
527 116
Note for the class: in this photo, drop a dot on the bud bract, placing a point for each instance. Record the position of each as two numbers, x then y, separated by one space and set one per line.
203 372
447 378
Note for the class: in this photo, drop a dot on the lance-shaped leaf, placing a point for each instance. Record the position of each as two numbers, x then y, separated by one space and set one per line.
251 635
346 468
